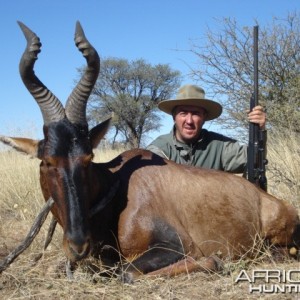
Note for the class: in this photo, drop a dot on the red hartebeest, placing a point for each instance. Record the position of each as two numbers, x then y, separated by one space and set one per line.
159 216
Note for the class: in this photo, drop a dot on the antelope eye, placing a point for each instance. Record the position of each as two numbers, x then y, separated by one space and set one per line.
87 159
50 161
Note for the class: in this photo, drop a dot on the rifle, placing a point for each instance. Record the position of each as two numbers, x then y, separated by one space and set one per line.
257 137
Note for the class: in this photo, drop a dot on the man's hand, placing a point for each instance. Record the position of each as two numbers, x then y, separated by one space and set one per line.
258 116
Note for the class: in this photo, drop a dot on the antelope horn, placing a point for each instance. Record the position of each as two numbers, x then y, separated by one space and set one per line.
51 108
77 101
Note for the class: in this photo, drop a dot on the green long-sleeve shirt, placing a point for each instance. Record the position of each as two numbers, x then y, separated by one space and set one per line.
212 151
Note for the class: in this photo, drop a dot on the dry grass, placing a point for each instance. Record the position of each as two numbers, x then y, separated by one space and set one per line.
20 202
284 165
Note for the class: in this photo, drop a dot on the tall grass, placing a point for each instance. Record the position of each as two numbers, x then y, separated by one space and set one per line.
284 165
21 200
19 180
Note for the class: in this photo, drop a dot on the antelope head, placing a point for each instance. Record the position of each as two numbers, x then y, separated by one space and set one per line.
66 151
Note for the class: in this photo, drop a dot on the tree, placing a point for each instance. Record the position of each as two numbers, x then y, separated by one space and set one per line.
226 67
131 90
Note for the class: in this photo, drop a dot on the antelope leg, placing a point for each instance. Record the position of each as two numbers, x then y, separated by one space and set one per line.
70 268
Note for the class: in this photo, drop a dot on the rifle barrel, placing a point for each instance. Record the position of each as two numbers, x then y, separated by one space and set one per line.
255 64
257 137
253 128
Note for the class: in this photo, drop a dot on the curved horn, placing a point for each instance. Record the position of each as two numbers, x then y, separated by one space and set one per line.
77 101
51 108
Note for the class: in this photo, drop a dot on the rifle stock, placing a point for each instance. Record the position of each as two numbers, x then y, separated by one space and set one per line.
257 137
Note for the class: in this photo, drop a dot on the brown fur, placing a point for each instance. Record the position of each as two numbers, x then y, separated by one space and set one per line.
167 207
160 216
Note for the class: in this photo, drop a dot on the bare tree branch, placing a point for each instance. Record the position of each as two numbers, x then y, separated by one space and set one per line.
225 69
34 230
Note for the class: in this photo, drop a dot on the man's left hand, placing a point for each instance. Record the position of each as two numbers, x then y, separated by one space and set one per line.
258 116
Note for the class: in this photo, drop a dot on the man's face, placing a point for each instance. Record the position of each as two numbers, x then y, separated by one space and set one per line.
189 121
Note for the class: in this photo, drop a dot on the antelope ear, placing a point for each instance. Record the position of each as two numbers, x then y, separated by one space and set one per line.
98 132
27 146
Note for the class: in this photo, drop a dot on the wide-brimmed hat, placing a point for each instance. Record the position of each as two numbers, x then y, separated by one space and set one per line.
195 96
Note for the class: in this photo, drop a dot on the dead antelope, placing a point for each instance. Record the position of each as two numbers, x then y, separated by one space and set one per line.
159 216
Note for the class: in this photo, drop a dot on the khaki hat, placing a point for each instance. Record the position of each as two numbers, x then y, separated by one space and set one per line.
195 96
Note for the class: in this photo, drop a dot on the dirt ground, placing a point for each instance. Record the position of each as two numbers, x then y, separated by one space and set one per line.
45 279
26 278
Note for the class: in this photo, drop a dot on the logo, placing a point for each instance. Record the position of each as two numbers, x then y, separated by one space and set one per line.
271 281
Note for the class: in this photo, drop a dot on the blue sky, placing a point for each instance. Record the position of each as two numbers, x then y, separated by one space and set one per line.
159 31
